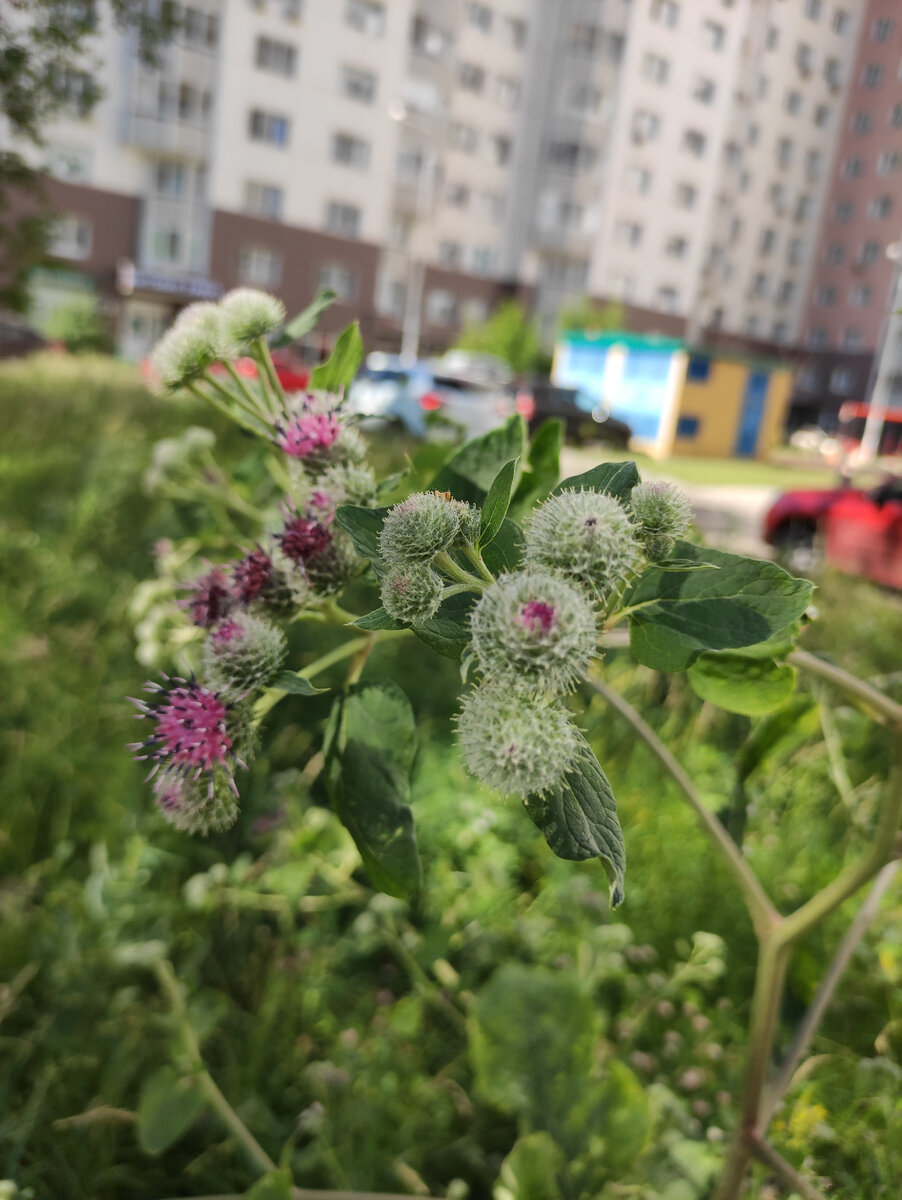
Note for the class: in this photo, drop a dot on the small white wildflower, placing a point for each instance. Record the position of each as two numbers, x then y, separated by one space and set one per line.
534 629
515 744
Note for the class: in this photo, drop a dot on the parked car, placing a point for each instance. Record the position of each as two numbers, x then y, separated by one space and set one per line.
795 520
585 418
388 390
863 534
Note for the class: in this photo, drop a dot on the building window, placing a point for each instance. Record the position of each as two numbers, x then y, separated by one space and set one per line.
259 266
860 296
457 195
795 251
165 245
570 156
278 57
762 87
880 208
813 162
793 102
268 127
429 40
826 296
481 260
808 380
804 207
441 307
698 369
342 280
491 205
676 246
343 219
786 291
759 285
639 180
822 116
71 237
263 200
668 298
391 295
779 331
628 233
895 116
863 122
889 162
842 380
713 35
842 22
843 210
515 31
852 168
835 253
851 338
359 84
817 338
480 17
881 30
502 147
813 9
777 196
694 142
686 195
772 40
584 39
169 178
785 152
768 241
366 16
471 77
655 68
645 126
687 427
804 58
450 254
565 274
583 99
507 91
872 76
833 73
870 252
666 12
704 90
350 151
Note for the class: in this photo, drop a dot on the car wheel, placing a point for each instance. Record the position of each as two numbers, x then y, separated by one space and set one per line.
797 546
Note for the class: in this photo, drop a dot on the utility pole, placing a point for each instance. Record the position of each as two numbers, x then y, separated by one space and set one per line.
888 364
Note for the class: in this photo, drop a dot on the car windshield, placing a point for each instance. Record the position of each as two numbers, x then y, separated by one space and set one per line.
387 375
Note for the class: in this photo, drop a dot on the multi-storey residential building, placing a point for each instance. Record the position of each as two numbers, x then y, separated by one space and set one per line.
852 279
424 158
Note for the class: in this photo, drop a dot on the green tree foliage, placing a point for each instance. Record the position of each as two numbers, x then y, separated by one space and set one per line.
47 66
585 316
509 333
81 327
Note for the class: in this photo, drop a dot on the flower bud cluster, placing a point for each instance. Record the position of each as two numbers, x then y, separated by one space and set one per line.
242 655
586 536
662 514
412 593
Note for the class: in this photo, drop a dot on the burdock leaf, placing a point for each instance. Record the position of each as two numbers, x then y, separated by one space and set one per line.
497 502
616 479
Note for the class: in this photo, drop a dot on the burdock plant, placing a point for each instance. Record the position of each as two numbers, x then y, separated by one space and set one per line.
527 583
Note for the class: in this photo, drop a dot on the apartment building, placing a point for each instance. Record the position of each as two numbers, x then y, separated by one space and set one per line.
425 158
853 282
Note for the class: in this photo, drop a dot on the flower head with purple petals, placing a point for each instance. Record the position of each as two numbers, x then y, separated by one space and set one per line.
308 434
211 598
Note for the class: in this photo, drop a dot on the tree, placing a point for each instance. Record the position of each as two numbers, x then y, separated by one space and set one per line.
585 316
46 67
509 333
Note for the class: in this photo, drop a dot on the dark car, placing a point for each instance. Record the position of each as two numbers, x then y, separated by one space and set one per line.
585 419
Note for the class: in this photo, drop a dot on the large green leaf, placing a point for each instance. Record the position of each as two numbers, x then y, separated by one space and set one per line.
506 550
616 478
469 472
369 783
497 502
578 819
363 526
741 681
296 683
720 602
168 1106
274 1185
532 1170
448 632
342 364
543 467
306 320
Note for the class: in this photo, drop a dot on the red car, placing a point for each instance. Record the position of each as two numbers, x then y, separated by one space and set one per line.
846 516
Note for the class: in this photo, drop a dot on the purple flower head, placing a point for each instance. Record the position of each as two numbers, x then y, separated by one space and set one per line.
211 598
191 735
227 632
537 616
308 433
304 536
252 577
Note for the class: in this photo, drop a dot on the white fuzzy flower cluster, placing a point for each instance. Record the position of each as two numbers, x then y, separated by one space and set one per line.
662 514
207 333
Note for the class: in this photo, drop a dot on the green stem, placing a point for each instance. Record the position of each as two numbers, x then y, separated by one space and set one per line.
358 662
242 397
763 1151
271 384
228 410
250 400
475 558
173 992
446 563
764 916
878 706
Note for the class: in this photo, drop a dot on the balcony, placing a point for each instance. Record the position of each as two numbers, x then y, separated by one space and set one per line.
167 135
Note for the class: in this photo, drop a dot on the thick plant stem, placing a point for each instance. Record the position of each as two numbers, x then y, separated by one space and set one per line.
173 992
812 1019
248 396
878 706
239 415
444 562
476 559
764 916
269 378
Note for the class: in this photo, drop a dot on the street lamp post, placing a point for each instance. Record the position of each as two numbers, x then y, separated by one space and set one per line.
887 363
